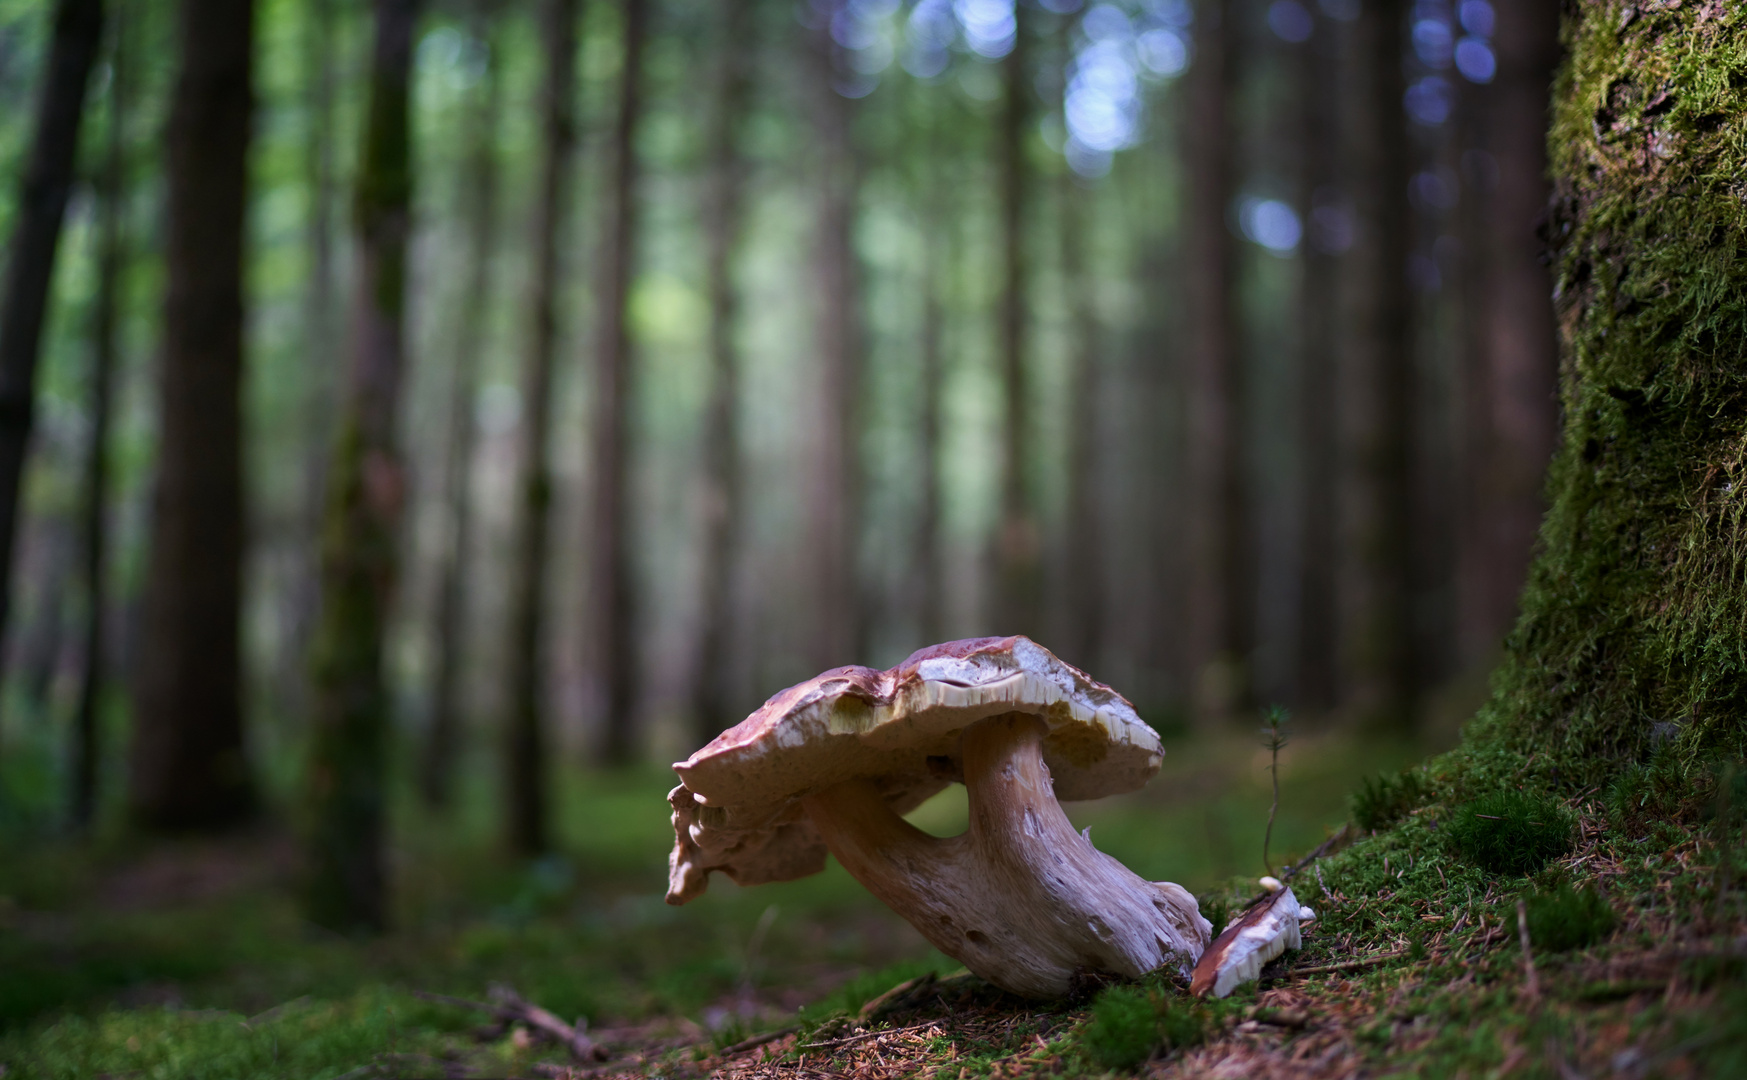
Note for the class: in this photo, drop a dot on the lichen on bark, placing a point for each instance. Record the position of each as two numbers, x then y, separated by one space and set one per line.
1633 624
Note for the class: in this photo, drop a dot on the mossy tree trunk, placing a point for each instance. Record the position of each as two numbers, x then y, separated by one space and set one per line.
1634 620
187 763
525 738
346 886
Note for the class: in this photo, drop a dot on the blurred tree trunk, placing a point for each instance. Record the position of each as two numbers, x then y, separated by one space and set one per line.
321 347
612 577
1512 420
188 765
346 889
111 195
437 767
525 747
1379 393
1223 570
724 221
937 222
1018 566
1082 553
1316 67
1634 624
30 258
835 504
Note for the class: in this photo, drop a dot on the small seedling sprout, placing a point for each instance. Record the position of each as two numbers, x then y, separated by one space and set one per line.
1274 739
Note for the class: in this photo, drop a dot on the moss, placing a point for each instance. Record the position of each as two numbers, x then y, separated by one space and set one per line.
1510 832
1384 800
1567 918
1130 1024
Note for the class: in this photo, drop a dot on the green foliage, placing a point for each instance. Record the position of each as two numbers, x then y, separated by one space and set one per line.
1511 832
1567 918
1217 911
1383 800
1130 1024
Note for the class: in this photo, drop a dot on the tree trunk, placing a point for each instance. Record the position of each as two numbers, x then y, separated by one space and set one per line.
835 525
346 889
1222 600
30 260
1018 566
724 216
525 746
1378 387
1315 69
321 350
188 766
937 232
612 577
111 196
1631 632
443 738
1514 418
1082 555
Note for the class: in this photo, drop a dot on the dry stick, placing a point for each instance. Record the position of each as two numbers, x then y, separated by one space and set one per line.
1292 871
1346 965
1533 981
510 1006
757 1041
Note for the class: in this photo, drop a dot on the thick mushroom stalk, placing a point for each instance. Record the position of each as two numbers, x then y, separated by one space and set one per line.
1020 898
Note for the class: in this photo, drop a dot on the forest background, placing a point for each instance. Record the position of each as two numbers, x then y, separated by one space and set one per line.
571 376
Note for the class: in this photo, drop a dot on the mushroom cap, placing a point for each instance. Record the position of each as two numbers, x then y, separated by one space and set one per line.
1268 928
737 807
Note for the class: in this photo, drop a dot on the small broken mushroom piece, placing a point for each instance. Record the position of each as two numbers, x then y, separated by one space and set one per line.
1020 898
1265 930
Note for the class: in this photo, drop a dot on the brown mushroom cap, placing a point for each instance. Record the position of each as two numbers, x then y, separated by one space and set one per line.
737 806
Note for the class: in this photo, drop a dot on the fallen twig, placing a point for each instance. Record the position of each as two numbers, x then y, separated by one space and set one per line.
510 1007
1345 965
757 1041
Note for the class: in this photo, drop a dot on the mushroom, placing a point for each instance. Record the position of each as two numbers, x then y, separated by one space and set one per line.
1020 898
1266 929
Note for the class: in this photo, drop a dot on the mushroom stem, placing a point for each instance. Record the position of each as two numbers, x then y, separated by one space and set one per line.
1020 898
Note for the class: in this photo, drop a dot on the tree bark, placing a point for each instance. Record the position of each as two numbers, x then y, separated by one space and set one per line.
525 746
188 765
1379 388
1631 633
1315 70
443 738
321 349
1083 538
30 259
1513 417
724 218
1018 545
346 887
612 577
1222 599
835 499
111 194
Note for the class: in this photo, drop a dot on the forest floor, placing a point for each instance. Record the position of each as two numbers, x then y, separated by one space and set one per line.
188 959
